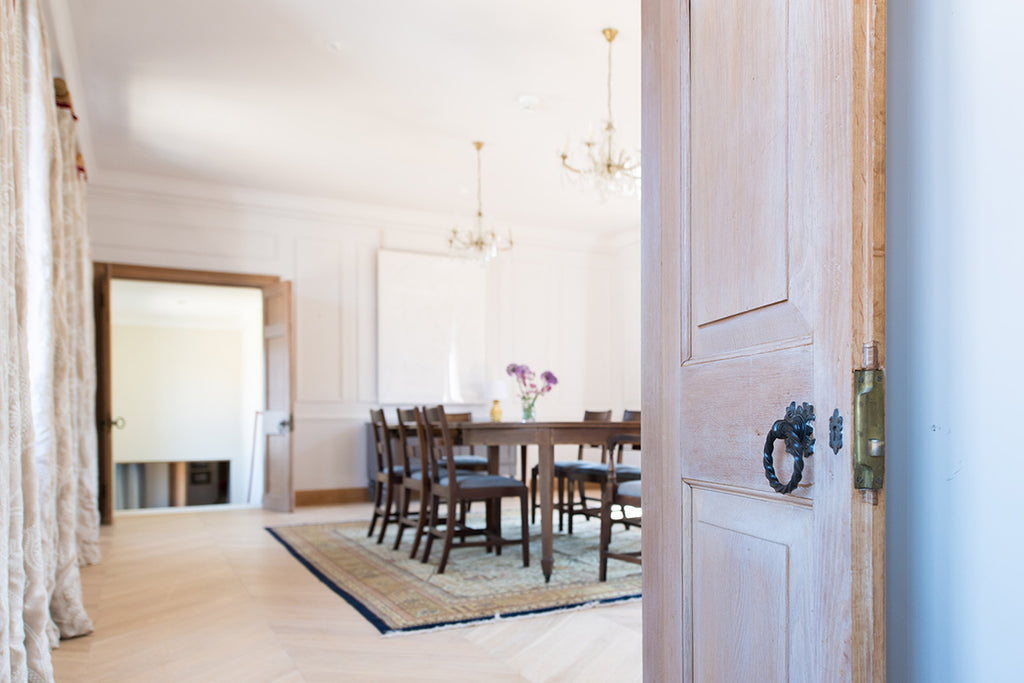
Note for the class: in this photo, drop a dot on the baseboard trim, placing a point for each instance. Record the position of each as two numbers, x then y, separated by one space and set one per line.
331 496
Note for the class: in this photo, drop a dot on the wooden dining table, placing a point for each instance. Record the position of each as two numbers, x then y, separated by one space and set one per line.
545 435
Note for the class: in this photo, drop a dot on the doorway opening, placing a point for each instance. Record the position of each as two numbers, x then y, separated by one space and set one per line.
269 439
187 390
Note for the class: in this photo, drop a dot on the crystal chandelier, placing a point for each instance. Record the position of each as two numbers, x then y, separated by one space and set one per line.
599 164
481 242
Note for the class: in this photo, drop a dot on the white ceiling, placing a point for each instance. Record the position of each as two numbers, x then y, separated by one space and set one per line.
371 101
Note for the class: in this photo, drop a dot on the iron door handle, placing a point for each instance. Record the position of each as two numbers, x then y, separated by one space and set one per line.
798 433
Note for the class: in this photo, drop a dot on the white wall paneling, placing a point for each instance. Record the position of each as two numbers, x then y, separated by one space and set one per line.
431 328
554 301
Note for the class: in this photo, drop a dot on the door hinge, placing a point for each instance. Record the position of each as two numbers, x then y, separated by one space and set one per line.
869 423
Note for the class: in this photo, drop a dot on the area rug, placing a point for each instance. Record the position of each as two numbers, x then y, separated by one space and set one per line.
399 595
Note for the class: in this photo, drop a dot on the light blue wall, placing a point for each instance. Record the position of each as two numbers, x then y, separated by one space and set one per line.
955 306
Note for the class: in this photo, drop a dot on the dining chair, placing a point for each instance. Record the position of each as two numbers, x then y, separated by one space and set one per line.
562 468
387 479
412 442
616 493
597 473
466 461
454 489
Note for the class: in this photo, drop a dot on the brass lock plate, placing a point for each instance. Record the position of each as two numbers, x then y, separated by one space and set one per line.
868 429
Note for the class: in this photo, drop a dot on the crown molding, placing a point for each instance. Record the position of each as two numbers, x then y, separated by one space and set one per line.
316 214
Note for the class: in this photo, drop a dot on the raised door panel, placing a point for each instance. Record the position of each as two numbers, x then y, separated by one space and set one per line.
750 562
750 287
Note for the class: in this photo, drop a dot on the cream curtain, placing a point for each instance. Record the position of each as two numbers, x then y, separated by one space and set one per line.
24 645
73 468
48 477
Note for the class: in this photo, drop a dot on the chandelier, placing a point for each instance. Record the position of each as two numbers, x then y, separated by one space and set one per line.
599 164
481 242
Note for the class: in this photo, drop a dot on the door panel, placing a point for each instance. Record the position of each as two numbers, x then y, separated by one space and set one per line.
750 288
742 391
750 613
738 67
278 493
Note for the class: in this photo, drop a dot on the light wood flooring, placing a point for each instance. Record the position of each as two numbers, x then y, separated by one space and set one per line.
211 596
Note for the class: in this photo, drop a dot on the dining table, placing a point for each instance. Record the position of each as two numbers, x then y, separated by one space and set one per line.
544 435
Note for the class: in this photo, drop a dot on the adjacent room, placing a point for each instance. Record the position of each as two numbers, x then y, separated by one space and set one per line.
457 192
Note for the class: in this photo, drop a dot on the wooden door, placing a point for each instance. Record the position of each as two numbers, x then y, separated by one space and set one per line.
104 416
279 493
763 278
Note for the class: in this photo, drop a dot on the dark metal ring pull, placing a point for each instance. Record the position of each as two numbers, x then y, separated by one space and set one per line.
798 432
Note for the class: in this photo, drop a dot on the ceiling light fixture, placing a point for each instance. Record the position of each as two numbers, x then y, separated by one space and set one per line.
599 164
481 242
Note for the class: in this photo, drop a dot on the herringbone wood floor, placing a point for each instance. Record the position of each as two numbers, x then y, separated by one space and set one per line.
211 596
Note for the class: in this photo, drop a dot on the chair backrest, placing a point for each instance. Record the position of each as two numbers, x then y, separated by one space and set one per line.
453 420
629 416
595 416
382 440
408 429
439 437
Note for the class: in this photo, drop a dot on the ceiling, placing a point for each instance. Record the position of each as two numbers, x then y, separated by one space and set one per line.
369 101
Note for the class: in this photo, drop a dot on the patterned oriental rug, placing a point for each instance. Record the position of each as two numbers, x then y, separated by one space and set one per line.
399 595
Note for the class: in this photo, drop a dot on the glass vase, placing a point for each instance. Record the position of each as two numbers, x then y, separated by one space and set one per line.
529 409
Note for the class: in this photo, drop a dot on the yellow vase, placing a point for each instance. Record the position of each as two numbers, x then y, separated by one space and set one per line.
495 411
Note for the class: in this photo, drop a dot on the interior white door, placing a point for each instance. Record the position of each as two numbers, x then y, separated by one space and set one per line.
279 493
763 258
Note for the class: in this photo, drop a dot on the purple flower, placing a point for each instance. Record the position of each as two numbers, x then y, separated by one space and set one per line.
525 379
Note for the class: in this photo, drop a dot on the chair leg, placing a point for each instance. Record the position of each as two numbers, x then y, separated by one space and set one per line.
606 533
449 536
496 526
533 496
525 529
571 504
377 493
434 502
403 513
561 503
421 521
389 495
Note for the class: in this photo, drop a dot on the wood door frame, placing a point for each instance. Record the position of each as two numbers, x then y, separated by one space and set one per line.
122 271
665 202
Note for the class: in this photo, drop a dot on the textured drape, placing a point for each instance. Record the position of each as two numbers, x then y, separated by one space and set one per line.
24 645
49 522
74 385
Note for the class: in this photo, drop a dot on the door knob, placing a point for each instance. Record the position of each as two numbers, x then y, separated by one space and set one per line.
798 433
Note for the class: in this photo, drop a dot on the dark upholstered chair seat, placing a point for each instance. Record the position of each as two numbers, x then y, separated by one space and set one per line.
468 462
478 481
630 489
598 472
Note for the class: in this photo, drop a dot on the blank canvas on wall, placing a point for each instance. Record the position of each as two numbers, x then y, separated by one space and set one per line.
430 329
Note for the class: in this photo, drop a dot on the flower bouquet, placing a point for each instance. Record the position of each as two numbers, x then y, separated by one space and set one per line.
529 389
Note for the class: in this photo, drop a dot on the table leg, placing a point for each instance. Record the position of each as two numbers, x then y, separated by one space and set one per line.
547 475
